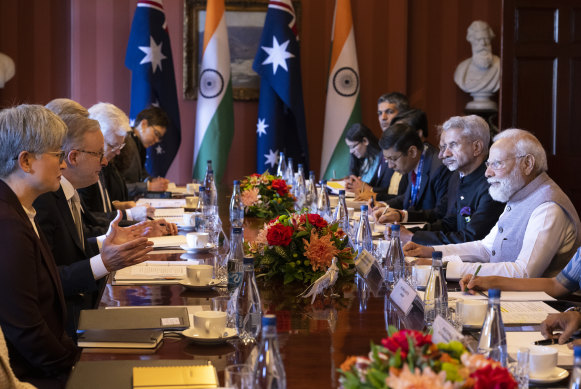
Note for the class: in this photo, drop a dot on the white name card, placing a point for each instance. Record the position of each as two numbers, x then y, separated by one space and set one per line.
369 269
403 296
364 262
444 332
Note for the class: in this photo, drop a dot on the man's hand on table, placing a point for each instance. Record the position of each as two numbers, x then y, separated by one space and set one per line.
568 322
478 283
411 249
160 227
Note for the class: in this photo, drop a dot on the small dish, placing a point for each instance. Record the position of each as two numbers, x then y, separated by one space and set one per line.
557 375
195 250
186 284
192 334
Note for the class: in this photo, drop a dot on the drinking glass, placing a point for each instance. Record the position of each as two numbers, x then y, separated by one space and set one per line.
238 377
454 316
520 368
224 304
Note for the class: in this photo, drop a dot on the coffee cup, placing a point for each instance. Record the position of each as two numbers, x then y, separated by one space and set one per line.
189 219
199 275
420 274
472 312
193 188
210 324
197 239
192 201
542 361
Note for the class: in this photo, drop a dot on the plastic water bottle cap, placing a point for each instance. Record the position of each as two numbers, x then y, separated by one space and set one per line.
237 230
577 352
341 192
248 260
300 165
364 208
270 320
395 227
494 293
236 182
435 254
311 172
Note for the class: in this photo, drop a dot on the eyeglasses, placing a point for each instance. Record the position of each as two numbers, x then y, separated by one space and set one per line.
498 165
115 148
59 154
393 160
98 154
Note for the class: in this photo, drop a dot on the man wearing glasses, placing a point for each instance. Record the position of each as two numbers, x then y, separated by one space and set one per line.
539 230
150 127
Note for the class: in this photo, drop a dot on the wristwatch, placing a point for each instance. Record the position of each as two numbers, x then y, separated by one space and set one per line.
575 309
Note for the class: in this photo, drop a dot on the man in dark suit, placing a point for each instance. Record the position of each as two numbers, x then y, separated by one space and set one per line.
425 197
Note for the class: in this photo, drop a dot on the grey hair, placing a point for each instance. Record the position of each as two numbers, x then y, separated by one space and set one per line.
77 126
31 128
526 143
478 25
112 120
472 126
64 106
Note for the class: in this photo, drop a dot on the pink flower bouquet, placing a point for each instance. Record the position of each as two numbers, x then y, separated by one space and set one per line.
266 196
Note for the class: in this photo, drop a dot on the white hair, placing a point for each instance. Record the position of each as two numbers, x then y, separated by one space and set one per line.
472 126
526 143
476 26
112 120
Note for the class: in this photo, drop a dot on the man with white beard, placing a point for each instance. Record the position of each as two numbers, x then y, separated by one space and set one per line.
537 233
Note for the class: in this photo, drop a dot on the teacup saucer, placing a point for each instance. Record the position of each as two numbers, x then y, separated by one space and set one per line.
556 375
186 283
204 249
192 333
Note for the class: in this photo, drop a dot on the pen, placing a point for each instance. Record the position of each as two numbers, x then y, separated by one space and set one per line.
150 218
475 273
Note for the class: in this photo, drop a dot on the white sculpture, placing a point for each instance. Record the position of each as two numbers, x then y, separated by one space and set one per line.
7 69
480 74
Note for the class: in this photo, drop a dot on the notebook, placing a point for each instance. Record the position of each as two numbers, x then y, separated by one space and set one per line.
182 377
165 318
120 338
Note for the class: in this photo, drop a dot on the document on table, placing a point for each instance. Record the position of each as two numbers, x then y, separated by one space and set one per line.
168 241
162 203
152 272
516 340
506 296
525 312
168 212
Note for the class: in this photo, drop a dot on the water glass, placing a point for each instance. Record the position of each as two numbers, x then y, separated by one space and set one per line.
454 316
238 377
224 304
520 368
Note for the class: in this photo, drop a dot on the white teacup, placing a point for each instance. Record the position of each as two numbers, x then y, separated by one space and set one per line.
210 324
197 239
192 201
193 188
472 312
191 218
420 274
199 275
542 361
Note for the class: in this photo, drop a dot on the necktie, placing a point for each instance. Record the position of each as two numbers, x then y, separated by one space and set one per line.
76 211
104 194
414 177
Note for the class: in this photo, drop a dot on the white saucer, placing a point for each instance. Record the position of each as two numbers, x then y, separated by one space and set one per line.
204 249
557 375
188 285
191 333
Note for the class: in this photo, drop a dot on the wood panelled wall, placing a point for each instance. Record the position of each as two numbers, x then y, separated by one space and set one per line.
76 48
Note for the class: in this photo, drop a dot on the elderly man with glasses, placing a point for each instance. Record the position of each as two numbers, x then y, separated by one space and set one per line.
537 233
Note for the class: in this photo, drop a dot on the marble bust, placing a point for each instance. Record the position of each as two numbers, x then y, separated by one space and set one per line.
479 75
6 69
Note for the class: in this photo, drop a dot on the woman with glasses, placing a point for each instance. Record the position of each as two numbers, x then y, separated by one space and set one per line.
365 152
32 308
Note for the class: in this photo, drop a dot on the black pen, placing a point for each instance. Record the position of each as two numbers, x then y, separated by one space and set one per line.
150 218
550 341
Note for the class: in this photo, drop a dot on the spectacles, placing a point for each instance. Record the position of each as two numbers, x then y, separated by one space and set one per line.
98 154
498 165
115 148
59 154
393 160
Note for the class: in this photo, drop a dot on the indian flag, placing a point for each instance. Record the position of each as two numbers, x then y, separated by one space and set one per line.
215 112
343 107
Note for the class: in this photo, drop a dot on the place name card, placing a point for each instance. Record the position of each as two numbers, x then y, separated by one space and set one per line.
369 269
403 296
444 331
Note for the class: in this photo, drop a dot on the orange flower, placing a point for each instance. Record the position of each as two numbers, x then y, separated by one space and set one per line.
320 251
250 197
346 365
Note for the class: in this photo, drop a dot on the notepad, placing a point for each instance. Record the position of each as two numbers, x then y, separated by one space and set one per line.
175 377
168 241
162 203
167 318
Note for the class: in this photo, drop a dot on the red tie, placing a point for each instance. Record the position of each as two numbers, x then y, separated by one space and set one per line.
414 177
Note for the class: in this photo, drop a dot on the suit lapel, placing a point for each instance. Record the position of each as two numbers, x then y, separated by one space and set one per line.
64 209
51 265
425 180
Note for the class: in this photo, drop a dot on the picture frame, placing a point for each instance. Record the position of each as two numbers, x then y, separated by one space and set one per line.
245 20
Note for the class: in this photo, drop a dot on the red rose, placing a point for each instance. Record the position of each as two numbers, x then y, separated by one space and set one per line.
279 235
315 220
399 340
493 378
280 187
255 175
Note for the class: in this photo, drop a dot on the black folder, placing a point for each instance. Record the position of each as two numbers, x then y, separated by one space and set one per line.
164 318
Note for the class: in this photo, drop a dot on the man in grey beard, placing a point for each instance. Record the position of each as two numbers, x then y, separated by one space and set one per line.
481 72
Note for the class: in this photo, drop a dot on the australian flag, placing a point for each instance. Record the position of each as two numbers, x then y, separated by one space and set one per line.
153 81
281 115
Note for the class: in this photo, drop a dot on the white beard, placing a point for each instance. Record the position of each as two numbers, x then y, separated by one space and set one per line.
508 186
482 59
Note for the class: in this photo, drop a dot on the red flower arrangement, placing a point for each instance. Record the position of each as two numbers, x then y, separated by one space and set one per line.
266 196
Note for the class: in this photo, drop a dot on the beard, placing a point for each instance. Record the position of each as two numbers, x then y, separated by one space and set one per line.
506 187
482 59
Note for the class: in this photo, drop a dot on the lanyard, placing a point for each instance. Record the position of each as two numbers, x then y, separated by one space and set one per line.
416 185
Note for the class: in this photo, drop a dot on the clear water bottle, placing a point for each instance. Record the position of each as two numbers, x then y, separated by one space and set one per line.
300 188
281 169
323 202
311 197
363 239
210 184
289 177
341 215
492 343
269 369
394 262
234 258
247 304
236 206
575 382
436 295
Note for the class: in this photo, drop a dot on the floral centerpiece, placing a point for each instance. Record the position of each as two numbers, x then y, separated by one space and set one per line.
266 196
300 247
409 359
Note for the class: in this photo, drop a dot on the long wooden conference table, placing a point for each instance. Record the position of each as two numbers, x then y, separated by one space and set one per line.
314 338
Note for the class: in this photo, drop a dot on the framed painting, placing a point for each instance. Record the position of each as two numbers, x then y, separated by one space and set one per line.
244 21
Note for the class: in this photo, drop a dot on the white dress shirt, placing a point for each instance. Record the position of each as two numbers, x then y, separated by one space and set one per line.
549 231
